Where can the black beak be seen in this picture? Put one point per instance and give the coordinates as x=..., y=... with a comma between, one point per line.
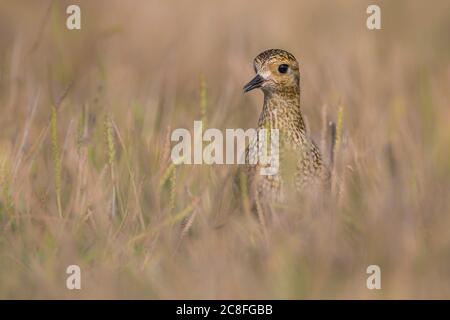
x=256, y=82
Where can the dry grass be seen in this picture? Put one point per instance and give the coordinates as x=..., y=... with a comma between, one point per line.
x=86, y=178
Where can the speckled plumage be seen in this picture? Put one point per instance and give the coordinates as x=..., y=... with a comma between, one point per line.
x=281, y=110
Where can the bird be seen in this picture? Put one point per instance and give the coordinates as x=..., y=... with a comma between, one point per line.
x=278, y=76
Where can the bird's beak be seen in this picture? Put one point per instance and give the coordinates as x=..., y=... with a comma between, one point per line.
x=256, y=82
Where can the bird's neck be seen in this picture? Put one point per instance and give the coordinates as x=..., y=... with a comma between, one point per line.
x=281, y=111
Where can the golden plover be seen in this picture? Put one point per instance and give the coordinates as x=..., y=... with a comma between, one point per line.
x=277, y=75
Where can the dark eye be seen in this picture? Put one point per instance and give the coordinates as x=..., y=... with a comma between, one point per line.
x=283, y=68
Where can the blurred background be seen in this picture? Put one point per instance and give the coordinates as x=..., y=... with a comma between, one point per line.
x=85, y=174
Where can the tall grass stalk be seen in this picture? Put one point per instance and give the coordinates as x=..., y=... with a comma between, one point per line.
x=203, y=100
x=337, y=133
x=5, y=183
x=173, y=186
x=56, y=155
x=339, y=123
x=111, y=150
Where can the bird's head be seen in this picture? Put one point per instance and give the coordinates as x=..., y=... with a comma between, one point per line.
x=276, y=70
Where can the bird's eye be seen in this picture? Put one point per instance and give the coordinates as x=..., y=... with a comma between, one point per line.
x=283, y=68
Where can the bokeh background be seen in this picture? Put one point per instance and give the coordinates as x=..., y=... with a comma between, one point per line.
x=86, y=179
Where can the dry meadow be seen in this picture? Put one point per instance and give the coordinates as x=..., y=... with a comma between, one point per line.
x=85, y=170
